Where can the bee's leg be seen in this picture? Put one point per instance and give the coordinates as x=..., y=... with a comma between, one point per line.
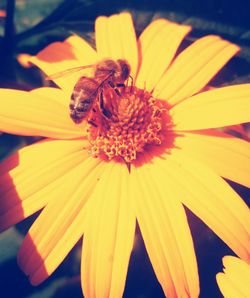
x=119, y=85
x=111, y=84
x=105, y=111
x=91, y=122
x=115, y=87
x=117, y=91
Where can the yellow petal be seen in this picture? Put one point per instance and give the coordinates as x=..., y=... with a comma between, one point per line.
x=235, y=281
x=216, y=108
x=25, y=113
x=60, y=56
x=166, y=233
x=226, y=155
x=41, y=153
x=60, y=225
x=194, y=68
x=24, y=60
x=16, y=169
x=102, y=44
x=81, y=49
x=157, y=45
x=228, y=287
x=116, y=39
x=108, y=236
x=62, y=97
x=23, y=193
x=211, y=199
x=53, y=93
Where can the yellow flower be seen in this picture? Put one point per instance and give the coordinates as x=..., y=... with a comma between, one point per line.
x=180, y=163
x=234, y=282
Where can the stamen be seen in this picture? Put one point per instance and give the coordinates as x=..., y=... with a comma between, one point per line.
x=136, y=120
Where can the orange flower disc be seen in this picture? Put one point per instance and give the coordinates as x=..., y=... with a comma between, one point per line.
x=135, y=120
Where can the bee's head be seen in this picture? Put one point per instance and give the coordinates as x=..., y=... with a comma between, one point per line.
x=124, y=70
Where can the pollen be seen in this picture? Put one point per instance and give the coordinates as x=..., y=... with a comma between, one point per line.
x=127, y=124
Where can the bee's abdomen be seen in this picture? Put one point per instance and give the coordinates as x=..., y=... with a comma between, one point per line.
x=76, y=117
x=82, y=98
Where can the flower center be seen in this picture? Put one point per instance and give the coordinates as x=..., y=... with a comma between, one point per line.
x=126, y=124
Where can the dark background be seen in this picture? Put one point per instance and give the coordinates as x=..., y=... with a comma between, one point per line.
x=32, y=25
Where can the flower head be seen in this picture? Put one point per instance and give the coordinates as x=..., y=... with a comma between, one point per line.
x=136, y=121
x=161, y=128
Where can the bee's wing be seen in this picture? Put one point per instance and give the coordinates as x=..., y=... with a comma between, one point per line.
x=67, y=72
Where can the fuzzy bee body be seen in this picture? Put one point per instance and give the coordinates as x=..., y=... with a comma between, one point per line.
x=87, y=91
x=83, y=98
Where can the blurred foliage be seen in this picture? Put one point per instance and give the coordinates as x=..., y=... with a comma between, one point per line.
x=10, y=240
x=30, y=13
x=37, y=23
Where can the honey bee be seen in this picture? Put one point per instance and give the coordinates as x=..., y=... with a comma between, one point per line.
x=89, y=90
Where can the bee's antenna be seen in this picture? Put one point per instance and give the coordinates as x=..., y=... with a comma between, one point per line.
x=132, y=83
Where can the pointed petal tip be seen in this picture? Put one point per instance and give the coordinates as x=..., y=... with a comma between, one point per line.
x=39, y=276
x=215, y=108
x=116, y=39
x=157, y=45
x=194, y=67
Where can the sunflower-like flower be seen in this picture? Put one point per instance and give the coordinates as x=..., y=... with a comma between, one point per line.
x=157, y=152
x=235, y=280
